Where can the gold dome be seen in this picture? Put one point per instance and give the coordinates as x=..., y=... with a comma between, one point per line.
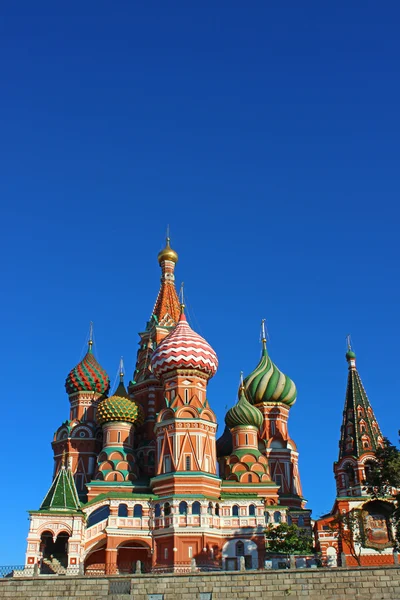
x=167, y=254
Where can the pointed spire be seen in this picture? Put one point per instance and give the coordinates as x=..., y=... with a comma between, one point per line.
x=263, y=335
x=121, y=369
x=182, y=302
x=360, y=431
x=62, y=495
x=121, y=389
x=90, y=342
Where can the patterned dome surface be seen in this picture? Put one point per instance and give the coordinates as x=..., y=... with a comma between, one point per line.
x=118, y=408
x=268, y=384
x=243, y=413
x=87, y=376
x=183, y=348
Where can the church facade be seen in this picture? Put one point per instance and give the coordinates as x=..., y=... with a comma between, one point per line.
x=139, y=474
x=358, y=531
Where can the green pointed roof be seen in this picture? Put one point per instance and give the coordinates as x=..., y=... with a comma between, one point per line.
x=359, y=421
x=268, y=384
x=243, y=413
x=62, y=494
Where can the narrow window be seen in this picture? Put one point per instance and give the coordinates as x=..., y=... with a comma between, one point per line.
x=119, y=436
x=165, y=553
x=247, y=439
x=84, y=417
x=252, y=510
x=188, y=465
x=157, y=510
x=138, y=511
x=277, y=517
x=190, y=550
x=235, y=511
x=186, y=396
x=167, y=464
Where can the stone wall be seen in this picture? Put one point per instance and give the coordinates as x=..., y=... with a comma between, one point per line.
x=322, y=584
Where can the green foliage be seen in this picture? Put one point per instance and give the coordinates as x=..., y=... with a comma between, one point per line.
x=288, y=539
x=347, y=527
x=384, y=472
x=381, y=479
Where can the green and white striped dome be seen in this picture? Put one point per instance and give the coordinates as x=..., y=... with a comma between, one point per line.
x=243, y=414
x=268, y=384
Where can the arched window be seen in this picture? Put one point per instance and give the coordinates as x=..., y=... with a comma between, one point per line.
x=249, y=478
x=300, y=521
x=252, y=510
x=183, y=508
x=217, y=510
x=266, y=515
x=138, y=511
x=239, y=549
x=235, y=510
x=122, y=510
x=210, y=508
x=167, y=509
x=157, y=510
x=277, y=516
x=196, y=508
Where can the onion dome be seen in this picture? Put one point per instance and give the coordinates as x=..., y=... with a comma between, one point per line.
x=268, y=384
x=350, y=355
x=88, y=376
x=119, y=407
x=243, y=413
x=167, y=254
x=224, y=444
x=183, y=348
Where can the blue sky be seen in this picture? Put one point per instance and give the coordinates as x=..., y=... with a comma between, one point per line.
x=267, y=136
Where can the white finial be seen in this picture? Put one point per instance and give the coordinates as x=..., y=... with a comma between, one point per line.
x=264, y=334
x=181, y=296
x=121, y=368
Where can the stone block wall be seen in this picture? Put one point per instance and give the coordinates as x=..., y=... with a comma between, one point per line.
x=322, y=584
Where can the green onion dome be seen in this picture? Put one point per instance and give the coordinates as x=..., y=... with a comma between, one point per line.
x=88, y=376
x=243, y=413
x=267, y=384
x=224, y=444
x=350, y=355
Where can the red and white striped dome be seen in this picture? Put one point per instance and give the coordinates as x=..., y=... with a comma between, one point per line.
x=183, y=348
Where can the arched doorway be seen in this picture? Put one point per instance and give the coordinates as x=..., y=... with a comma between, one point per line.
x=54, y=552
x=95, y=562
x=129, y=553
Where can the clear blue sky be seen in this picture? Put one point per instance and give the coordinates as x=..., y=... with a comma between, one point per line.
x=267, y=135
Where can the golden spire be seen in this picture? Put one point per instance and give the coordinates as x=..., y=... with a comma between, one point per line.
x=167, y=253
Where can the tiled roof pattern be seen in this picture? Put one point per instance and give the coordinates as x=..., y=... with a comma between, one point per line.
x=268, y=384
x=358, y=419
x=62, y=494
x=167, y=303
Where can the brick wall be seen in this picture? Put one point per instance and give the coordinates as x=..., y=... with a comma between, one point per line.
x=322, y=584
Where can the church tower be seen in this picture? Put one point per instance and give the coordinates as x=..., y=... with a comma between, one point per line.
x=80, y=437
x=145, y=388
x=274, y=393
x=360, y=435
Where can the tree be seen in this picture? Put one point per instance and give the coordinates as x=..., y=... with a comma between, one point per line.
x=347, y=528
x=288, y=539
x=382, y=479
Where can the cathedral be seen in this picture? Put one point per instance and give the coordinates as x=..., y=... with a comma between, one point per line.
x=139, y=474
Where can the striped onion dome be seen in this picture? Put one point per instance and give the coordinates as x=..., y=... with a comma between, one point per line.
x=243, y=413
x=119, y=407
x=183, y=348
x=87, y=376
x=267, y=384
